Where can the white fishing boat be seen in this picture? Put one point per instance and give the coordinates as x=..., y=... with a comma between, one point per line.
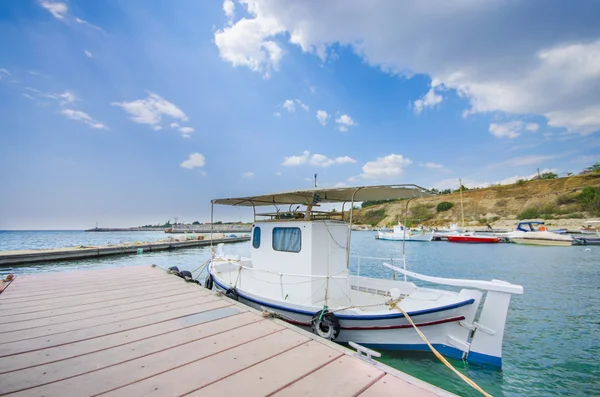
x=401, y=233
x=298, y=271
x=525, y=227
x=591, y=227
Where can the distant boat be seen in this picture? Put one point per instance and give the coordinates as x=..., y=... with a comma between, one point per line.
x=472, y=238
x=400, y=233
x=543, y=238
x=525, y=227
x=591, y=227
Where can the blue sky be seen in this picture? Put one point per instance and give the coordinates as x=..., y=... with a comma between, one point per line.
x=134, y=112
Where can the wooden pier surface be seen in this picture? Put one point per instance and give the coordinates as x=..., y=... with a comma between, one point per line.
x=57, y=254
x=139, y=331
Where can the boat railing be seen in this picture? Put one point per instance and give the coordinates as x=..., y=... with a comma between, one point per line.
x=361, y=260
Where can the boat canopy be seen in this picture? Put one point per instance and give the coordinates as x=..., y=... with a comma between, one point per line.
x=316, y=196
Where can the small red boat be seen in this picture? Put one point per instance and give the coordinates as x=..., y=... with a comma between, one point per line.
x=473, y=239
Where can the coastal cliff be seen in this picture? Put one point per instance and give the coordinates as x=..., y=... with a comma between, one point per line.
x=557, y=201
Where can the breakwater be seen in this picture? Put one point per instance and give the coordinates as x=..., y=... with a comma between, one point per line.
x=83, y=252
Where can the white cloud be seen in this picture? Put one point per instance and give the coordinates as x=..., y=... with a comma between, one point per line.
x=302, y=105
x=229, y=8
x=508, y=130
x=344, y=122
x=278, y=173
x=289, y=105
x=277, y=114
x=322, y=116
x=511, y=129
x=174, y=125
x=6, y=72
x=532, y=127
x=247, y=42
x=533, y=160
x=89, y=25
x=431, y=165
x=317, y=160
x=430, y=99
x=58, y=10
x=247, y=174
x=385, y=167
x=313, y=90
x=87, y=53
x=151, y=110
x=186, y=131
x=157, y=128
x=555, y=75
x=196, y=160
x=83, y=117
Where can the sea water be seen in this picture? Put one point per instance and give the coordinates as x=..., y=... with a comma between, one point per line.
x=552, y=339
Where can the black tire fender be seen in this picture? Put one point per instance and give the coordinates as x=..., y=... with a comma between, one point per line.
x=326, y=326
x=208, y=283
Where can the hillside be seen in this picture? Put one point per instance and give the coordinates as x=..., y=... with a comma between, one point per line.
x=554, y=199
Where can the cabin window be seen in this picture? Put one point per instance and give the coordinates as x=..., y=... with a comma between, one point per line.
x=287, y=239
x=256, y=237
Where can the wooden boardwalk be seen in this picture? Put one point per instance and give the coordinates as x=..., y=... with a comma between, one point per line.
x=139, y=331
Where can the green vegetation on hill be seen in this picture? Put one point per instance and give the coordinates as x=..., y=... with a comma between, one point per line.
x=544, y=197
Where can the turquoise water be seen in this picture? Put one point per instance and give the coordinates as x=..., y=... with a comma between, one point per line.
x=552, y=341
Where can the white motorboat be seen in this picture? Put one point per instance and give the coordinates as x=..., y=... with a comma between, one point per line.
x=543, y=238
x=401, y=233
x=298, y=271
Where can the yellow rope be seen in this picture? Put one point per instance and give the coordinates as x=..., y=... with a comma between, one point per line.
x=437, y=354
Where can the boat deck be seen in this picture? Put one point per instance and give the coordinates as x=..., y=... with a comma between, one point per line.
x=139, y=331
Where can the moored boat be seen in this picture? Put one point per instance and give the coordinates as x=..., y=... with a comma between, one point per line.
x=473, y=238
x=299, y=271
x=401, y=233
x=544, y=238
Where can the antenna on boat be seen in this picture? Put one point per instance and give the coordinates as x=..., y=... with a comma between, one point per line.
x=462, y=210
x=315, y=180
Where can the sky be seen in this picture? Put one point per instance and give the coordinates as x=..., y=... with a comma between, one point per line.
x=129, y=112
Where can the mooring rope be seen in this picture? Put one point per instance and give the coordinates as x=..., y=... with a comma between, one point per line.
x=393, y=303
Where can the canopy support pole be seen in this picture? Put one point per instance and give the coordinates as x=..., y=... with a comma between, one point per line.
x=212, y=205
x=350, y=230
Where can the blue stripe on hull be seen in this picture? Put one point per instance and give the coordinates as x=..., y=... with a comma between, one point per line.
x=350, y=317
x=452, y=352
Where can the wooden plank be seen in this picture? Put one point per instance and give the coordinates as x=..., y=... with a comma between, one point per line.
x=183, y=379
x=390, y=386
x=25, y=307
x=62, y=352
x=13, y=336
x=98, y=305
x=119, y=375
x=128, y=293
x=53, y=372
x=80, y=274
x=55, y=287
x=98, y=312
x=346, y=376
x=46, y=341
x=274, y=373
x=66, y=293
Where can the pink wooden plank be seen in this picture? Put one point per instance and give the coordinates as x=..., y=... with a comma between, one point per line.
x=345, y=376
x=95, y=321
x=48, y=373
x=122, y=374
x=98, y=312
x=46, y=341
x=6, y=300
x=98, y=305
x=62, y=352
x=25, y=307
x=274, y=373
x=391, y=386
x=186, y=378
x=55, y=289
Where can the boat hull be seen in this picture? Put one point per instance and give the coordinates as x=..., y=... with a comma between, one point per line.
x=473, y=239
x=383, y=332
x=538, y=241
x=415, y=237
